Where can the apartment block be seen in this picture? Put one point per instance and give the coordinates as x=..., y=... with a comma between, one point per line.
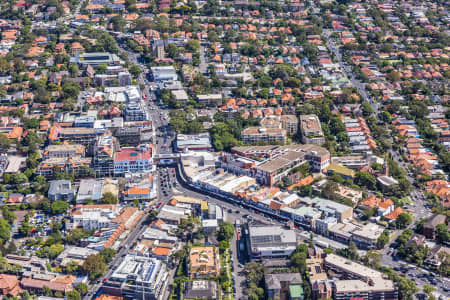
x=204, y=262
x=138, y=277
x=252, y=135
x=311, y=130
x=64, y=150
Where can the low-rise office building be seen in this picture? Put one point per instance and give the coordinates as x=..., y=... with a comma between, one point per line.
x=138, y=277
x=266, y=242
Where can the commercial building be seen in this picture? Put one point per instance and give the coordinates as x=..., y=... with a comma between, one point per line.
x=311, y=130
x=61, y=190
x=204, y=262
x=318, y=157
x=266, y=242
x=165, y=73
x=95, y=59
x=272, y=171
x=252, y=135
x=90, y=190
x=133, y=159
x=75, y=254
x=138, y=277
x=193, y=142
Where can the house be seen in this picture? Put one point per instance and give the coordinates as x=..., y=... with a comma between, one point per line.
x=429, y=228
x=9, y=285
x=61, y=190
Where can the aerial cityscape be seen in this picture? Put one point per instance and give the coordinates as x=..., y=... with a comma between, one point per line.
x=224, y=149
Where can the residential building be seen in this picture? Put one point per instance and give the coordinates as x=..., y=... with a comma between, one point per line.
x=77, y=135
x=311, y=130
x=90, y=190
x=37, y=285
x=284, y=286
x=266, y=242
x=64, y=150
x=105, y=148
x=358, y=281
x=9, y=285
x=429, y=228
x=133, y=159
x=200, y=289
x=79, y=166
x=289, y=123
x=138, y=277
x=135, y=111
x=61, y=190
x=204, y=262
x=210, y=99
x=84, y=121
x=252, y=135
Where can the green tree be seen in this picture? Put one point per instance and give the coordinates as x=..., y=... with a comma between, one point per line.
x=226, y=231
x=135, y=70
x=73, y=295
x=82, y=288
x=72, y=267
x=94, y=266
x=224, y=245
x=108, y=254
x=403, y=220
x=8, y=215
x=383, y=240
x=75, y=235
x=5, y=229
x=46, y=291
x=59, y=207
x=365, y=179
x=109, y=198
x=442, y=234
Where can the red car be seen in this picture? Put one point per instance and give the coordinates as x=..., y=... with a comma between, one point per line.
x=104, y=280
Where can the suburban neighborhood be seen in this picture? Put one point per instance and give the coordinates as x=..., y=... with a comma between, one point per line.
x=224, y=149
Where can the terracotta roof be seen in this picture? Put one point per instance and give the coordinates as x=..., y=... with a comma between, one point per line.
x=161, y=251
